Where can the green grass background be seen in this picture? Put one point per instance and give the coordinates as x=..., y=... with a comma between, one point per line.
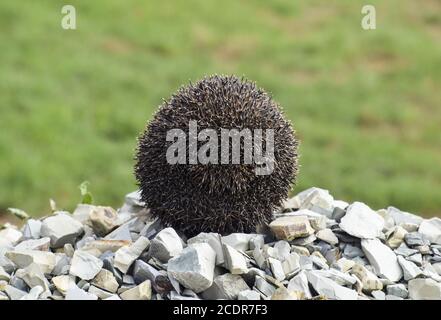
x=366, y=104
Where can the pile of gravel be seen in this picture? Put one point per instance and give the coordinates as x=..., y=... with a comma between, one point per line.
x=315, y=248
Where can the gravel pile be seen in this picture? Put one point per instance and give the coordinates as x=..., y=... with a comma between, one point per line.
x=315, y=248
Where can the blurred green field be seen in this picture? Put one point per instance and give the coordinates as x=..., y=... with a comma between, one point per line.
x=366, y=104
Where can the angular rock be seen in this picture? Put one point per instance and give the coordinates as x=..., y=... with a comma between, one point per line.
x=276, y=269
x=248, y=295
x=282, y=250
x=378, y=295
x=398, y=290
x=23, y=258
x=329, y=288
x=166, y=245
x=235, y=262
x=226, y=286
x=120, y=233
x=106, y=281
x=283, y=294
x=33, y=276
x=4, y=275
x=415, y=239
x=100, y=293
x=319, y=201
x=410, y=269
x=403, y=217
x=382, y=258
x=84, y=265
x=396, y=237
x=61, y=229
x=328, y=236
x=14, y=293
x=264, y=287
x=42, y=244
x=369, y=281
x=214, y=240
x=10, y=236
x=103, y=220
x=63, y=283
x=33, y=294
x=76, y=293
x=143, y=291
x=194, y=267
x=239, y=241
x=125, y=256
x=291, y=227
x=291, y=264
x=32, y=229
x=362, y=222
x=424, y=289
x=299, y=283
x=431, y=229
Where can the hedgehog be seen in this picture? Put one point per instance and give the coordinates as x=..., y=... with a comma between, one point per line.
x=220, y=197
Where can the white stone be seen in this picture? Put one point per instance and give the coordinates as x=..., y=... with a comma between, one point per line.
x=226, y=286
x=125, y=256
x=328, y=236
x=319, y=201
x=248, y=295
x=106, y=281
x=299, y=283
x=23, y=258
x=410, y=269
x=4, y=275
x=143, y=291
x=235, y=262
x=84, y=265
x=10, y=236
x=33, y=294
x=424, y=289
x=42, y=244
x=194, y=267
x=239, y=241
x=403, y=217
x=291, y=264
x=32, y=229
x=431, y=229
x=378, y=295
x=282, y=250
x=33, y=276
x=61, y=229
x=214, y=240
x=398, y=290
x=166, y=245
x=329, y=288
x=76, y=293
x=276, y=269
x=382, y=258
x=362, y=222
x=337, y=276
x=63, y=283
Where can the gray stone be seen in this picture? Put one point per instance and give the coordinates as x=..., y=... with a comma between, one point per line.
x=84, y=265
x=239, y=241
x=125, y=256
x=403, y=217
x=23, y=258
x=338, y=277
x=424, y=289
x=32, y=229
x=235, y=262
x=166, y=245
x=134, y=199
x=264, y=287
x=276, y=269
x=226, y=286
x=248, y=295
x=194, y=267
x=282, y=250
x=291, y=264
x=410, y=269
x=329, y=288
x=398, y=290
x=33, y=294
x=431, y=229
x=304, y=240
x=319, y=201
x=378, y=295
x=10, y=236
x=62, y=264
x=416, y=258
x=76, y=293
x=299, y=283
x=214, y=240
x=113, y=297
x=382, y=258
x=120, y=233
x=305, y=263
x=82, y=212
x=33, y=276
x=4, y=275
x=405, y=251
x=18, y=283
x=61, y=229
x=362, y=222
x=392, y=297
x=414, y=239
x=14, y=293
